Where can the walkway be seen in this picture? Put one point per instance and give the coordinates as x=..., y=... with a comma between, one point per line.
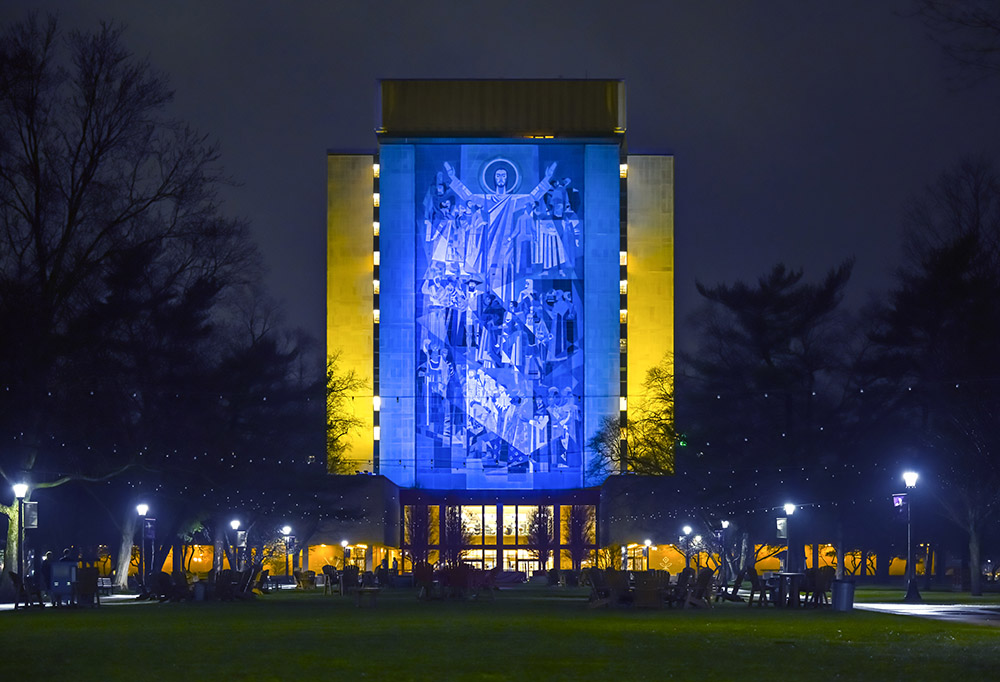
x=985, y=614
x=106, y=599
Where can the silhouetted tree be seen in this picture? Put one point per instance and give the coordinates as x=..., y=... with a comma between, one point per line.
x=766, y=400
x=646, y=442
x=939, y=341
x=454, y=535
x=967, y=30
x=541, y=534
x=118, y=271
x=417, y=530
x=340, y=420
x=580, y=526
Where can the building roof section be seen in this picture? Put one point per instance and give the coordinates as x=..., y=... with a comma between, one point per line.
x=501, y=108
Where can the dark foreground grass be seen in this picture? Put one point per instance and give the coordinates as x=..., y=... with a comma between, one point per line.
x=524, y=634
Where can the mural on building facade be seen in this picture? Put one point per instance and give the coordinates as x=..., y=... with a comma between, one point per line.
x=499, y=311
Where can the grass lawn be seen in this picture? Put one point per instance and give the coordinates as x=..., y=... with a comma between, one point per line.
x=526, y=633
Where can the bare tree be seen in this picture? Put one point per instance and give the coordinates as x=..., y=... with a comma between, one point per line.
x=454, y=535
x=340, y=421
x=646, y=442
x=541, y=534
x=939, y=340
x=580, y=529
x=967, y=30
x=110, y=236
x=417, y=530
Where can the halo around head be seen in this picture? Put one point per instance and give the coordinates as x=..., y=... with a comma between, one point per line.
x=487, y=177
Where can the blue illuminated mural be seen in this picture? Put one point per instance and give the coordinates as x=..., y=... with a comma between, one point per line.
x=499, y=314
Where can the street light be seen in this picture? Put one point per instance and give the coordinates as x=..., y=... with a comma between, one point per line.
x=141, y=510
x=791, y=560
x=235, y=525
x=343, y=547
x=286, y=531
x=20, y=490
x=724, y=553
x=687, y=546
x=645, y=551
x=912, y=592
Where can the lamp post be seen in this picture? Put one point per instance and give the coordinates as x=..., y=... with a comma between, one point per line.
x=687, y=546
x=343, y=547
x=286, y=533
x=235, y=525
x=645, y=552
x=724, y=553
x=791, y=560
x=141, y=510
x=912, y=592
x=20, y=490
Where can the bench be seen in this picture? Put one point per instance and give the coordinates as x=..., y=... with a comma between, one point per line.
x=105, y=585
x=368, y=593
x=368, y=589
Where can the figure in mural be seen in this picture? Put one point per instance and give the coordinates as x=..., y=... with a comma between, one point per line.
x=499, y=291
x=502, y=211
x=557, y=231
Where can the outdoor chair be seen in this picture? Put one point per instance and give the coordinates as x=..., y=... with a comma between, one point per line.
x=758, y=587
x=483, y=581
x=349, y=579
x=331, y=578
x=87, y=593
x=423, y=579
x=824, y=581
x=571, y=578
x=368, y=589
x=262, y=584
x=600, y=595
x=459, y=580
x=26, y=592
x=181, y=589
x=808, y=587
x=732, y=592
x=245, y=580
x=225, y=585
x=700, y=595
x=678, y=595
x=724, y=592
x=159, y=586
x=305, y=580
x=650, y=589
x=619, y=592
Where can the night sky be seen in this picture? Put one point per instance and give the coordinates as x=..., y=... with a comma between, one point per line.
x=799, y=129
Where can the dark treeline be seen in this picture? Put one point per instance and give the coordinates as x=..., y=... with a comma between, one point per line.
x=790, y=397
x=140, y=358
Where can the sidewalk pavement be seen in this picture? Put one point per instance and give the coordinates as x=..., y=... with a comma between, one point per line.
x=106, y=599
x=977, y=614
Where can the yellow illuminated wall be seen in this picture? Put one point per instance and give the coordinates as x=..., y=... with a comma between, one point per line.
x=349, y=286
x=650, y=267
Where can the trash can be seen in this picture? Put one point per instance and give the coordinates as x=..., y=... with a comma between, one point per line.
x=842, y=597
